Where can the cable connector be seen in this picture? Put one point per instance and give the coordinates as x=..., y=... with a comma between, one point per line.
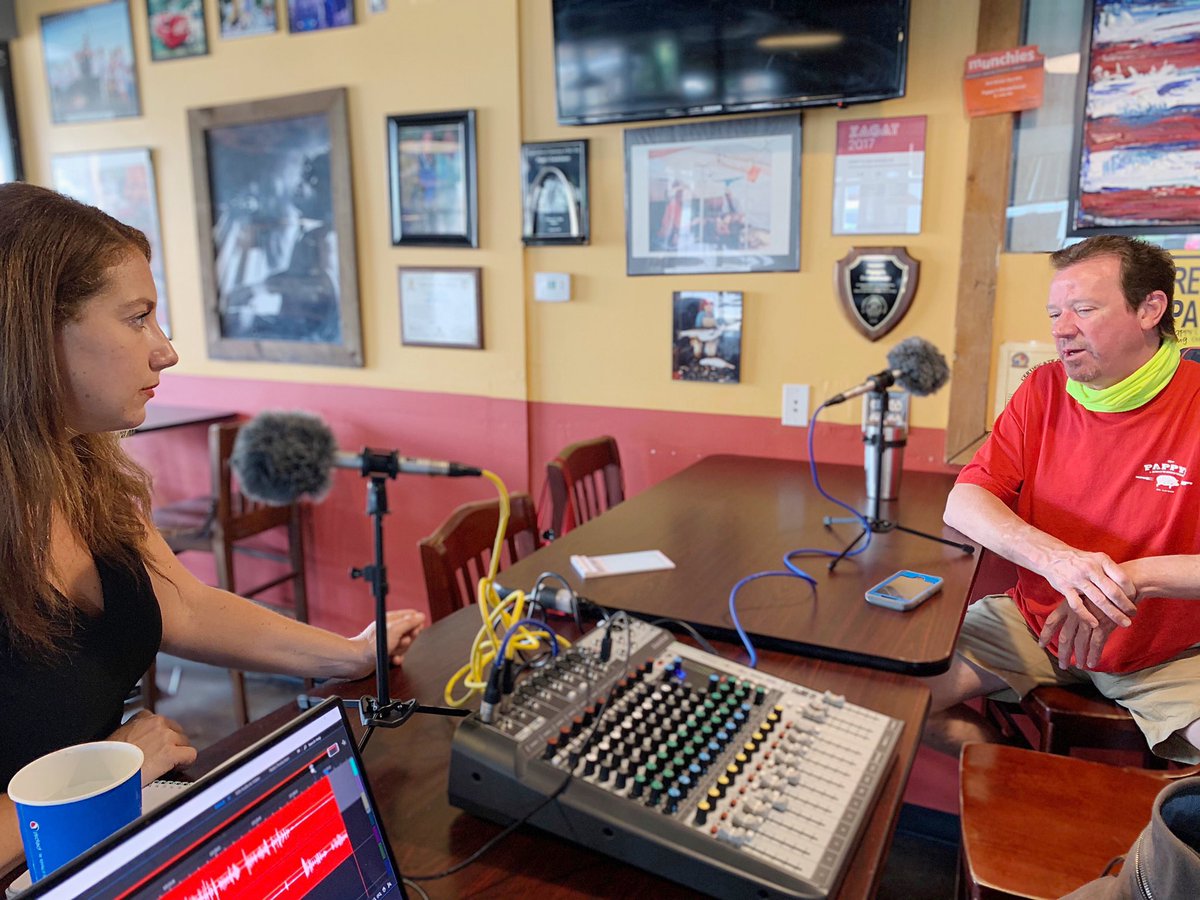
x=491, y=695
x=606, y=645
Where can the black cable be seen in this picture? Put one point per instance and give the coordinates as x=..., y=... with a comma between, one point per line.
x=362, y=745
x=696, y=636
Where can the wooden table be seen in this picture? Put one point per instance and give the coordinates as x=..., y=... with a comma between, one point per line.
x=407, y=768
x=729, y=516
x=163, y=415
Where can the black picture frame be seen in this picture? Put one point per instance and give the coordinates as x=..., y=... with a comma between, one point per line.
x=432, y=179
x=713, y=197
x=554, y=185
x=275, y=214
x=12, y=167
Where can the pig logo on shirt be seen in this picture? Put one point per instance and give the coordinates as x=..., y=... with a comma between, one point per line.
x=1167, y=476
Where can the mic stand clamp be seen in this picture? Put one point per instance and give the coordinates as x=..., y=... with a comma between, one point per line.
x=874, y=523
x=381, y=710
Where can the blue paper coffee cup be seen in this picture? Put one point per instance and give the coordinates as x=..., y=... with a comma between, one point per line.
x=74, y=798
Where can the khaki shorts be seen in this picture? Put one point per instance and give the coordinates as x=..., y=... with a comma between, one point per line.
x=1162, y=699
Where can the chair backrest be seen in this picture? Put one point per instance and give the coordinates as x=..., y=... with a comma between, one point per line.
x=236, y=516
x=585, y=479
x=458, y=554
x=994, y=575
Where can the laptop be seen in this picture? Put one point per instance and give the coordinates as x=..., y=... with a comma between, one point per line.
x=292, y=816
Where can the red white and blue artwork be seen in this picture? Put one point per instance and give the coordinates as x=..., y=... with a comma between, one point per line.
x=1139, y=154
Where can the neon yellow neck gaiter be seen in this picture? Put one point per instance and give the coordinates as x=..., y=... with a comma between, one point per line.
x=1137, y=390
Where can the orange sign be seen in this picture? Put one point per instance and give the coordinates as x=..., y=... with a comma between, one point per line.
x=1003, y=81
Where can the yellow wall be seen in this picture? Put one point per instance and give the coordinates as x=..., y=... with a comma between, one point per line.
x=611, y=345
x=418, y=56
x=793, y=331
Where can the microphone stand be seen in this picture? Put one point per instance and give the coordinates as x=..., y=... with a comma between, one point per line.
x=378, y=465
x=875, y=523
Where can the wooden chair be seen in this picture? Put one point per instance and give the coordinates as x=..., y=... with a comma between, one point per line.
x=1064, y=718
x=457, y=555
x=585, y=480
x=219, y=524
x=1036, y=825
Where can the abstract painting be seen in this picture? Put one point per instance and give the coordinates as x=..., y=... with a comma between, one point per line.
x=1139, y=147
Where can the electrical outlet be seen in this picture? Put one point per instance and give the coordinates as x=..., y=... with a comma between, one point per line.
x=795, y=405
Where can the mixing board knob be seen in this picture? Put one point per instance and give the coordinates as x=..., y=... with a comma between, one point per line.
x=760, y=695
x=703, y=808
x=621, y=780
x=656, y=791
x=589, y=763
x=722, y=785
x=639, y=785
x=551, y=748
x=834, y=699
x=703, y=760
x=673, y=797
x=815, y=711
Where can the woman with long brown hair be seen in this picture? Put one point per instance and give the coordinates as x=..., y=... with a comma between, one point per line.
x=89, y=591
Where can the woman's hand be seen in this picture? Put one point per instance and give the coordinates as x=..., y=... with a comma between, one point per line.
x=403, y=625
x=161, y=741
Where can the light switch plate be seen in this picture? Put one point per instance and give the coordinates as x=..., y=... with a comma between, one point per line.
x=551, y=287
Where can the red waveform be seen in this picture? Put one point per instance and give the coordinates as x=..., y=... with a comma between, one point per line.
x=280, y=858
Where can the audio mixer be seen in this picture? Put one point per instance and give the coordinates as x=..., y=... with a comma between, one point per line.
x=717, y=776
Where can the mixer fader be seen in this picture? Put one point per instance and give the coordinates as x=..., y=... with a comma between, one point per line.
x=731, y=781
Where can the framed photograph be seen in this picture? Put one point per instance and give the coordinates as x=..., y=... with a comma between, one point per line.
x=245, y=18
x=707, y=336
x=715, y=197
x=276, y=219
x=555, y=192
x=1135, y=116
x=441, y=307
x=431, y=176
x=177, y=29
x=318, y=15
x=89, y=63
x=120, y=182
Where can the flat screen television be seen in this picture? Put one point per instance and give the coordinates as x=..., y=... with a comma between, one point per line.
x=624, y=60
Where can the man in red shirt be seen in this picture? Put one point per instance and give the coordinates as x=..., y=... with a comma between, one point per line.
x=1086, y=483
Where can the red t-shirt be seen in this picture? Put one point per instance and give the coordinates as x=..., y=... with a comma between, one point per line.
x=1118, y=483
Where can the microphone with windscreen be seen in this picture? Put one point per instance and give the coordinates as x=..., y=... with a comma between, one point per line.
x=914, y=363
x=280, y=457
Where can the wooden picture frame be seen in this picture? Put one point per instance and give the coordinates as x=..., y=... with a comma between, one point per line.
x=1131, y=175
x=276, y=217
x=554, y=188
x=431, y=179
x=441, y=306
x=713, y=197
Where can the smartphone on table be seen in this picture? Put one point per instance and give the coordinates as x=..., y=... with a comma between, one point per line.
x=905, y=590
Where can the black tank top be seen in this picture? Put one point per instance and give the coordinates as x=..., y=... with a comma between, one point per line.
x=79, y=696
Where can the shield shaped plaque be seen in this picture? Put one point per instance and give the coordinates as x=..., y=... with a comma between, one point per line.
x=876, y=287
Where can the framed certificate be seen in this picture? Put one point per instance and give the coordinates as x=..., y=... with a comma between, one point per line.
x=441, y=307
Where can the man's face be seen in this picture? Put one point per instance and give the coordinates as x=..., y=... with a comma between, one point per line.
x=1100, y=340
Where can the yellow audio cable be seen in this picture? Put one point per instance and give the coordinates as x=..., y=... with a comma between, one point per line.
x=498, y=616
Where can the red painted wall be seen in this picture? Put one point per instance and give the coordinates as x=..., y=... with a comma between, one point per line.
x=510, y=437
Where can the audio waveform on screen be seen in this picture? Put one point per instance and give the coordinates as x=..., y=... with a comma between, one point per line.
x=280, y=858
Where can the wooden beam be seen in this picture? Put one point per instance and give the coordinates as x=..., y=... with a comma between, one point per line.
x=988, y=151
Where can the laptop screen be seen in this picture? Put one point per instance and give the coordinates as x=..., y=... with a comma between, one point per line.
x=291, y=816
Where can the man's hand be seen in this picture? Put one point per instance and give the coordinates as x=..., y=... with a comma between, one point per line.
x=1094, y=586
x=1077, y=641
x=403, y=626
x=161, y=740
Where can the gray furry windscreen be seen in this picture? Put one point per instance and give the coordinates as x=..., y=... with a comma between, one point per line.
x=282, y=456
x=922, y=367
